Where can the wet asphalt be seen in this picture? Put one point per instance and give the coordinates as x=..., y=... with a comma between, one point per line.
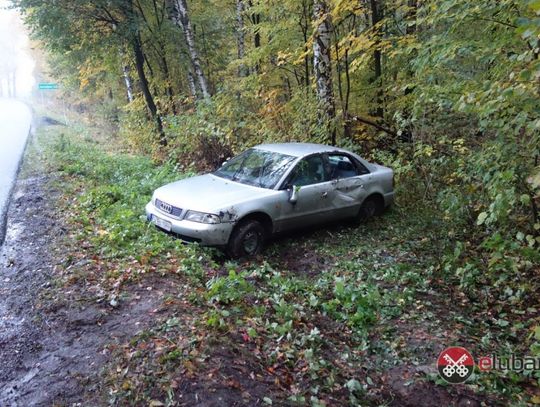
x=15, y=124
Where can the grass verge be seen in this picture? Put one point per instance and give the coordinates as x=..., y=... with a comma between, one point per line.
x=334, y=316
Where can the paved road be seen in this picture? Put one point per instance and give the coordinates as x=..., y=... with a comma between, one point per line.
x=15, y=121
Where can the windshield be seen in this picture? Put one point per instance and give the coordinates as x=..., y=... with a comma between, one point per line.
x=256, y=167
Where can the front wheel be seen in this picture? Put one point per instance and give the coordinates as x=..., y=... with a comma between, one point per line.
x=246, y=240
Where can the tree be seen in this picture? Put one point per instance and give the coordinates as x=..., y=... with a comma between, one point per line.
x=139, y=64
x=322, y=66
x=126, y=72
x=376, y=18
x=180, y=15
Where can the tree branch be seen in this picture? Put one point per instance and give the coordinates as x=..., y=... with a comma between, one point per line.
x=374, y=124
x=498, y=22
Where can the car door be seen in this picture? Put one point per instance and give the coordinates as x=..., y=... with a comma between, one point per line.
x=311, y=180
x=351, y=181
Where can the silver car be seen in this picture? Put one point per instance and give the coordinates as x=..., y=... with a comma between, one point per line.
x=268, y=189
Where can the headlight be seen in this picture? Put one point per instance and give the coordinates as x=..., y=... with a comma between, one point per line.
x=202, y=217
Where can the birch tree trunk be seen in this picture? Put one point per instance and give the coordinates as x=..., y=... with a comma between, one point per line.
x=322, y=66
x=185, y=23
x=191, y=84
x=127, y=81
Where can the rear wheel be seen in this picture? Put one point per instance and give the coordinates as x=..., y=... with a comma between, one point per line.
x=370, y=207
x=246, y=240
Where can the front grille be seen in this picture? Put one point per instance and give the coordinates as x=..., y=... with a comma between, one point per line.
x=167, y=208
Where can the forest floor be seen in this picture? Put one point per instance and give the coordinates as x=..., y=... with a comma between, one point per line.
x=100, y=308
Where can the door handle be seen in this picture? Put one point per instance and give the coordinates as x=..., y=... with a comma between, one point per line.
x=324, y=194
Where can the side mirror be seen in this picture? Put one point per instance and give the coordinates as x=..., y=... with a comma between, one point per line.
x=293, y=193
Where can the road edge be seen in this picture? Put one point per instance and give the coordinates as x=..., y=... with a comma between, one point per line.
x=4, y=211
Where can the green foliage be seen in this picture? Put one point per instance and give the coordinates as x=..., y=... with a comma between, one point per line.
x=356, y=304
x=227, y=290
x=116, y=189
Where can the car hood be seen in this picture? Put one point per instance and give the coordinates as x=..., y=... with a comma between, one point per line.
x=208, y=193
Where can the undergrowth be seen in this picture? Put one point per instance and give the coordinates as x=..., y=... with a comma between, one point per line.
x=318, y=319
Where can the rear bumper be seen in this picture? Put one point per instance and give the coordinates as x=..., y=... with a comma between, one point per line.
x=388, y=199
x=207, y=235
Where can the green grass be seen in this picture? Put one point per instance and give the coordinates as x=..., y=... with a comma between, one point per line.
x=319, y=309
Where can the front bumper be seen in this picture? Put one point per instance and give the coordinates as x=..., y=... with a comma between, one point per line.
x=207, y=235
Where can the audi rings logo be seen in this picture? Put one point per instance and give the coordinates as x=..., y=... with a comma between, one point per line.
x=455, y=364
x=165, y=207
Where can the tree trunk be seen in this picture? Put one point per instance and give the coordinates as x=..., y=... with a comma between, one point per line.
x=240, y=35
x=127, y=81
x=256, y=20
x=304, y=25
x=191, y=84
x=376, y=17
x=167, y=77
x=323, y=68
x=343, y=95
x=257, y=37
x=139, y=64
x=185, y=23
x=410, y=18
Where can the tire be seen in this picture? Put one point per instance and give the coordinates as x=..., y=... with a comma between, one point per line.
x=247, y=239
x=370, y=207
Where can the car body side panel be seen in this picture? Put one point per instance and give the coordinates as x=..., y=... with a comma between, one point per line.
x=349, y=194
x=314, y=205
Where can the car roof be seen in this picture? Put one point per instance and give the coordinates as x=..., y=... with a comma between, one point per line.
x=297, y=149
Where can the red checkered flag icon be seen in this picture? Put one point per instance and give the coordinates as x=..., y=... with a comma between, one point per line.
x=455, y=364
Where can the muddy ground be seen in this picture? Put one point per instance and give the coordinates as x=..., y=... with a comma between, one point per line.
x=52, y=349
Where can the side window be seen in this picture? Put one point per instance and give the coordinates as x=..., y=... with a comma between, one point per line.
x=309, y=171
x=361, y=168
x=341, y=166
